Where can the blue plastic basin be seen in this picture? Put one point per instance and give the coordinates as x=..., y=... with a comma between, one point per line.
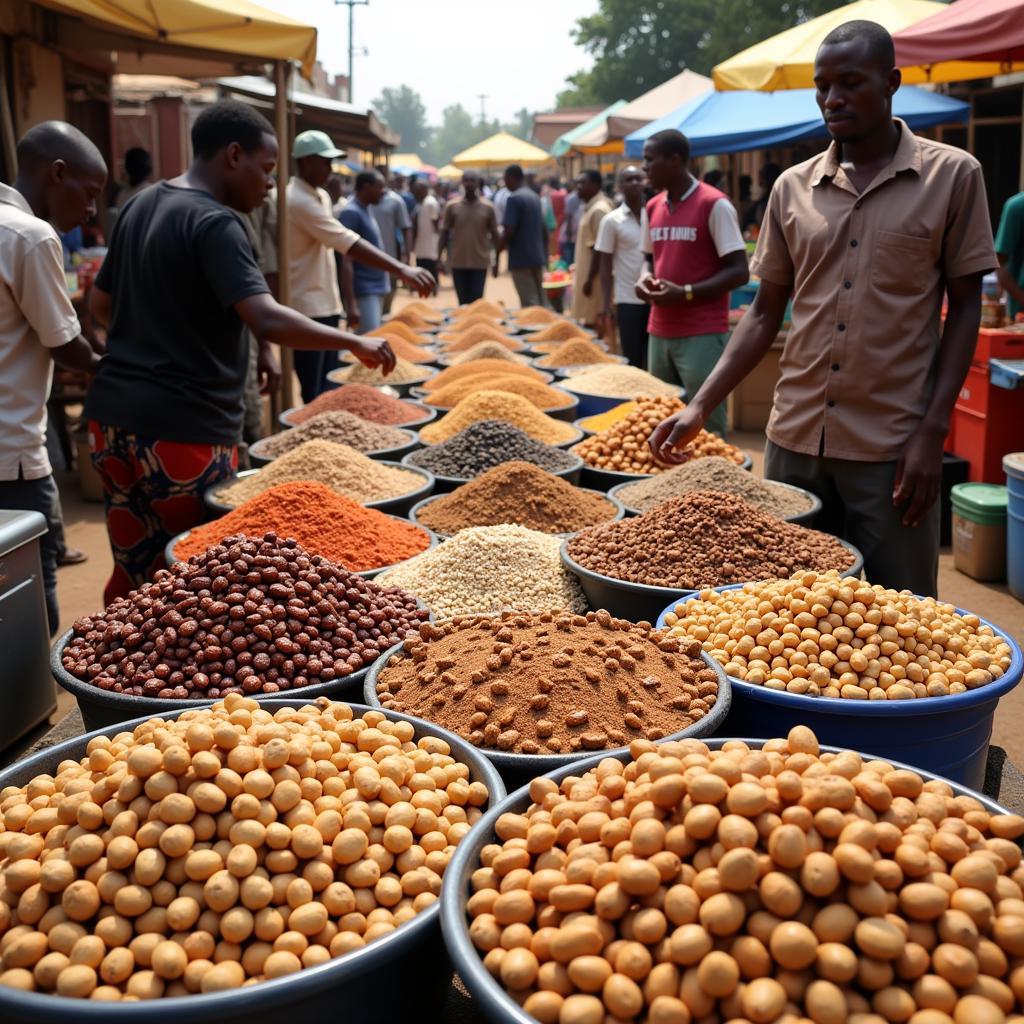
x=1014, y=467
x=945, y=735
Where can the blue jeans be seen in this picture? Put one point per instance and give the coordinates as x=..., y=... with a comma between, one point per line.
x=370, y=312
x=312, y=367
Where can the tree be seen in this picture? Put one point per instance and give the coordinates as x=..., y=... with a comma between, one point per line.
x=521, y=125
x=637, y=44
x=457, y=131
x=404, y=112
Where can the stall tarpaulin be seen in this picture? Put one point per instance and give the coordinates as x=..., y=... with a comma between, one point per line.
x=567, y=142
x=235, y=27
x=733, y=122
x=500, y=150
x=967, y=39
x=786, y=60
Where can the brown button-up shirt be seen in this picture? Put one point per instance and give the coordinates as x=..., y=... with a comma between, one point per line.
x=867, y=271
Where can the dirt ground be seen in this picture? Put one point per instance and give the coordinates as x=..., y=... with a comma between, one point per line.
x=81, y=586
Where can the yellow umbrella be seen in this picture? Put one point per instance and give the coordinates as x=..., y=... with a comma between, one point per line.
x=500, y=150
x=236, y=27
x=449, y=171
x=786, y=61
x=410, y=160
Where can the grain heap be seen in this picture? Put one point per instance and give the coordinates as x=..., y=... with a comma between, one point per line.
x=487, y=350
x=228, y=882
x=498, y=405
x=623, y=448
x=705, y=539
x=715, y=474
x=535, y=392
x=485, y=445
x=403, y=373
x=396, y=327
x=247, y=616
x=549, y=683
x=322, y=522
x=483, y=307
x=451, y=374
x=575, y=352
x=361, y=400
x=411, y=318
x=532, y=315
x=340, y=467
x=474, y=336
x=487, y=569
x=413, y=352
x=340, y=427
x=619, y=381
x=753, y=885
x=604, y=420
x=856, y=641
x=424, y=310
x=560, y=330
x=517, y=492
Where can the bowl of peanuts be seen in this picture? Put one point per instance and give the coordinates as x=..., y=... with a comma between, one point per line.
x=219, y=880
x=935, y=710
x=744, y=880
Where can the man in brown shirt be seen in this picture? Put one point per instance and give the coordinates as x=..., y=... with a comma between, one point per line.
x=469, y=233
x=866, y=238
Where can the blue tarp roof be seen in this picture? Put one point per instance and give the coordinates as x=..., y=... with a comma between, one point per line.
x=734, y=121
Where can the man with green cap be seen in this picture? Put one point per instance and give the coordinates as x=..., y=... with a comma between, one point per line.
x=314, y=235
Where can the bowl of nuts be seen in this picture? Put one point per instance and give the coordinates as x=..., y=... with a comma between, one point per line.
x=231, y=900
x=205, y=628
x=714, y=904
x=538, y=691
x=856, y=687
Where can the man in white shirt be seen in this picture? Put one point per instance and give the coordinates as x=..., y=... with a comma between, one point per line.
x=314, y=235
x=61, y=175
x=622, y=261
x=426, y=227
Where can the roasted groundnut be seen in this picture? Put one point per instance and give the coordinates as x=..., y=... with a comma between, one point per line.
x=231, y=845
x=774, y=886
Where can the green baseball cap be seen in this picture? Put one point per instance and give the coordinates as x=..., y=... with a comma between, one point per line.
x=314, y=143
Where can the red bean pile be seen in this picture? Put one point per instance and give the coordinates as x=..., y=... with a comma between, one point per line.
x=247, y=616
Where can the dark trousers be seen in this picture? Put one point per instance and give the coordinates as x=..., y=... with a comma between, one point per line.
x=312, y=367
x=632, y=321
x=469, y=284
x=40, y=496
x=857, y=500
x=426, y=264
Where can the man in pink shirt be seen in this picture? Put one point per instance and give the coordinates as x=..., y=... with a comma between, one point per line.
x=691, y=235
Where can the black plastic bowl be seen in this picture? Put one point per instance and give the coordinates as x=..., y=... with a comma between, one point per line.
x=606, y=479
x=426, y=416
x=367, y=574
x=401, y=389
x=620, y=511
x=362, y=981
x=518, y=769
x=444, y=484
x=801, y=518
x=496, y=1005
x=395, y=454
x=395, y=506
x=561, y=444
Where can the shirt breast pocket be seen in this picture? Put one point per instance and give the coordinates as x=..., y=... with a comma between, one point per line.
x=902, y=264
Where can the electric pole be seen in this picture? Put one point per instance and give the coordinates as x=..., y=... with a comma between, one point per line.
x=482, y=97
x=350, y=4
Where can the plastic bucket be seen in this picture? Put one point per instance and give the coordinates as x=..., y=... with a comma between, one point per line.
x=619, y=511
x=426, y=415
x=363, y=981
x=1014, y=466
x=411, y=443
x=606, y=479
x=496, y=1005
x=367, y=574
x=444, y=484
x=946, y=735
x=395, y=506
x=801, y=518
x=519, y=769
x=400, y=388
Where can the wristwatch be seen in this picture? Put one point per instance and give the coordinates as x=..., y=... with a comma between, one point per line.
x=688, y=292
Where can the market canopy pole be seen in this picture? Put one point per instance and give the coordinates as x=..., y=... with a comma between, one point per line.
x=282, y=78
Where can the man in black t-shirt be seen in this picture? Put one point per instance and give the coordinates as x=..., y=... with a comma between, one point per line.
x=180, y=280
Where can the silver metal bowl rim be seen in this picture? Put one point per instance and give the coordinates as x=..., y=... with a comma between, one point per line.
x=496, y=1003
x=373, y=453
x=279, y=990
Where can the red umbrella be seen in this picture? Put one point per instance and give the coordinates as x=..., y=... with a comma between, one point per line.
x=978, y=31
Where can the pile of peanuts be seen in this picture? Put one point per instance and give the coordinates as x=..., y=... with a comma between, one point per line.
x=775, y=885
x=622, y=447
x=820, y=635
x=222, y=848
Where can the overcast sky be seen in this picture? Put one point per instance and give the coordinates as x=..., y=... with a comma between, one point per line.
x=518, y=54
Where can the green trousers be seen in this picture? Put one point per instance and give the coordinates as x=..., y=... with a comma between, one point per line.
x=687, y=363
